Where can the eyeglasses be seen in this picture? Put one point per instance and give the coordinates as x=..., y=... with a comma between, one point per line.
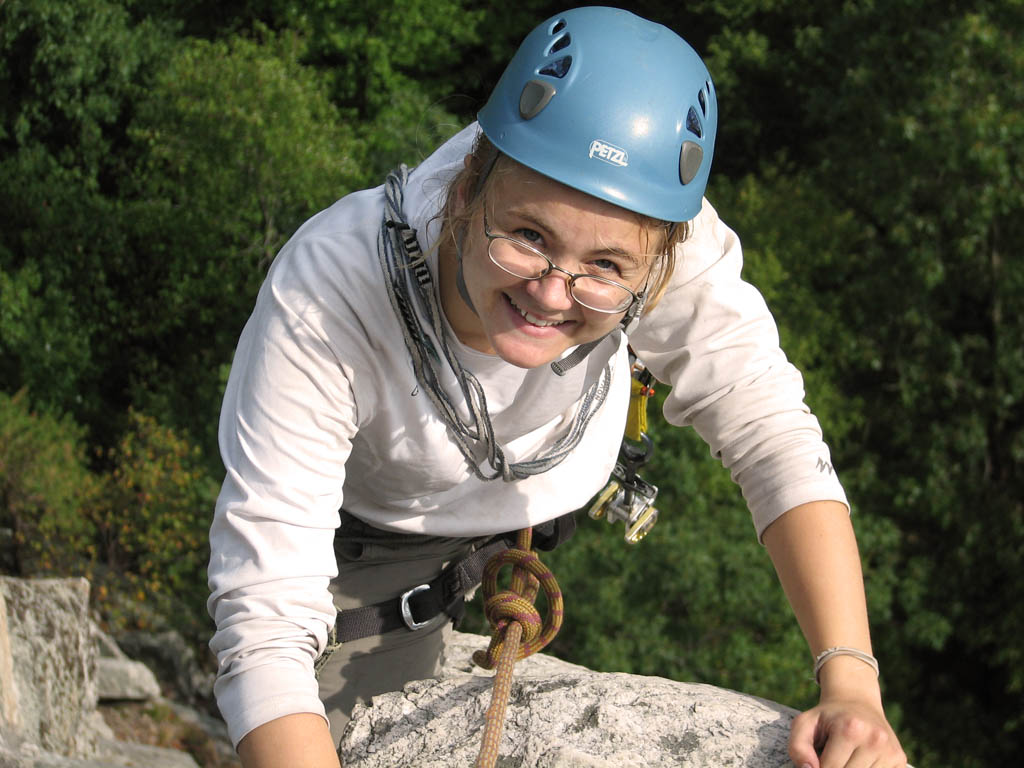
x=524, y=261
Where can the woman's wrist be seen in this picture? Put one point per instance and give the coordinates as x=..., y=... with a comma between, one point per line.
x=849, y=677
x=835, y=651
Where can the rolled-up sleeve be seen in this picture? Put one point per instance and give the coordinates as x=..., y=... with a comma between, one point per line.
x=713, y=339
x=287, y=421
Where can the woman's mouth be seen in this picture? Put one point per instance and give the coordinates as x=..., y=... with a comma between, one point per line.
x=531, y=318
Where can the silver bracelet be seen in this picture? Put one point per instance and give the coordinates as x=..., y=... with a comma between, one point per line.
x=842, y=650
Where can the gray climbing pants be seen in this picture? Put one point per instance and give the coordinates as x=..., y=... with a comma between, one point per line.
x=373, y=566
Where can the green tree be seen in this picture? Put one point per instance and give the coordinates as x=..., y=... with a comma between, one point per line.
x=142, y=195
x=69, y=74
x=395, y=69
x=239, y=145
x=936, y=291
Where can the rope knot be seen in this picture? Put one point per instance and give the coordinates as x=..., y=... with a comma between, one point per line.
x=515, y=604
x=508, y=606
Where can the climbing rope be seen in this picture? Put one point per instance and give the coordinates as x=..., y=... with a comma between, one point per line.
x=517, y=629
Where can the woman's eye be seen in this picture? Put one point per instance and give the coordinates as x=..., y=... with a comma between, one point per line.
x=530, y=236
x=605, y=266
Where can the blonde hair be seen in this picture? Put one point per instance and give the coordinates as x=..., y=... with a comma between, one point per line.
x=464, y=199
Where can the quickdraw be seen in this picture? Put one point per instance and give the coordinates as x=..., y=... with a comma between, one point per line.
x=627, y=496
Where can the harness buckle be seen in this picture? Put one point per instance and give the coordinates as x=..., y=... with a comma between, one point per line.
x=403, y=603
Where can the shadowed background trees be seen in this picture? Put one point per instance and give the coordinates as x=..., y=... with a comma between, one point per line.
x=154, y=155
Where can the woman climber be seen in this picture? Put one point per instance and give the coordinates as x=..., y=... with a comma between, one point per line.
x=443, y=359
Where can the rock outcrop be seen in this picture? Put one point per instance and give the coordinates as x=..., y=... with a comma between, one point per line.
x=564, y=716
x=51, y=680
x=119, y=678
x=53, y=660
x=54, y=666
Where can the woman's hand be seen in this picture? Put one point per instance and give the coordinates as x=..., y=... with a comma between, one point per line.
x=847, y=734
x=848, y=728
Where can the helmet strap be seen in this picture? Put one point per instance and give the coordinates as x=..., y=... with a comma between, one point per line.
x=460, y=278
x=634, y=311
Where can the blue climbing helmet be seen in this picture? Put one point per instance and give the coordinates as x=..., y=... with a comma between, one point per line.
x=613, y=105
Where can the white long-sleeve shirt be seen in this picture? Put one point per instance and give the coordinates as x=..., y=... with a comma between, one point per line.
x=322, y=409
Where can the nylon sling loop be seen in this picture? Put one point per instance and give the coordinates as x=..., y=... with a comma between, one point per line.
x=517, y=628
x=410, y=288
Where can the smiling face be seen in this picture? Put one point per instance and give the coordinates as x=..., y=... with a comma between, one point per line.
x=530, y=323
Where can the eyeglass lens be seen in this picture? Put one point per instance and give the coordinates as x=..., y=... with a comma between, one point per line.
x=593, y=292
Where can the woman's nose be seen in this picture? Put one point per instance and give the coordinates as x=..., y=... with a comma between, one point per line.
x=552, y=290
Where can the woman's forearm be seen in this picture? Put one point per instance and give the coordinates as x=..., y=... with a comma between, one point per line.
x=293, y=741
x=815, y=554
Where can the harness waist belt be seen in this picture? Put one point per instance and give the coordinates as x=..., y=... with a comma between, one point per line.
x=418, y=606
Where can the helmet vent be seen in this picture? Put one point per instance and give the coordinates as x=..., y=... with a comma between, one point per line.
x=703, y=102
x=560, y=43
x=558, y=67
x=693, y=124
x=559, y=26
x=535, y=96
x=690, y=158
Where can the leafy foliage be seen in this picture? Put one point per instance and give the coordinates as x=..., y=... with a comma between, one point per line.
x=238, y=144
x=137, y=531
x=43, y=480
x=150, y=519
x=69, y=73
x=695, y=600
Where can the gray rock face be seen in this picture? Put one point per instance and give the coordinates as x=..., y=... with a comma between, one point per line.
x=49, y=687
x=118, y=754
x=53, y=659
x=173, y=661
x=125, y=680
x=564, y=716
x=119, y=678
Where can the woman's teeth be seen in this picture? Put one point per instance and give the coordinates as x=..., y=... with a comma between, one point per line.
x=533, y=319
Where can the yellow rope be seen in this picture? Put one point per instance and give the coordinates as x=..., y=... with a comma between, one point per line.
x=517, y=630
x=495, y=717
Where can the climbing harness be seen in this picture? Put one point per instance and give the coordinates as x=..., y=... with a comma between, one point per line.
x=517, y=629
x=418, y=606
x=404, y=266
x=627, y=496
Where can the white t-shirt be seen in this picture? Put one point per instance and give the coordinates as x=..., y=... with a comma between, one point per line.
x=323, y=409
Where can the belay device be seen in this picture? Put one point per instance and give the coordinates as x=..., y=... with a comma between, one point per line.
x=627, y=496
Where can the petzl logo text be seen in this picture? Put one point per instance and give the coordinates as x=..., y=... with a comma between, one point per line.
x=609, y=153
